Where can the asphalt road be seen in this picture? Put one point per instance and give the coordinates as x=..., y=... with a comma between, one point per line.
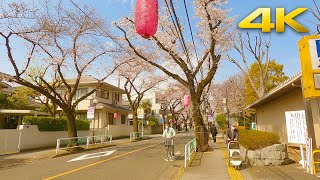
x=139, y=160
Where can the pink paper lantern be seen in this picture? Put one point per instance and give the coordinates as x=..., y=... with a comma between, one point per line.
x=115, y=115
x=186, y=100
x=146, y=17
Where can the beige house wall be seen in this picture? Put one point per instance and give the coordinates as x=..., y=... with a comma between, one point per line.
x=271, y=116
x=102, y=118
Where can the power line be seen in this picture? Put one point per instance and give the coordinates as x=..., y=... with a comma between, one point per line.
x=103, y=30
x=180, y=31
x=176, y=28
x=186, y=9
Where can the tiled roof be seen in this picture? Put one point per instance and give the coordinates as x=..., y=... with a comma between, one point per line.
x=92, y=80
x=271, y=95
x=111, y=106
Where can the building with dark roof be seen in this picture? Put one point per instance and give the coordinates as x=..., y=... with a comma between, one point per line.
x=270, y=109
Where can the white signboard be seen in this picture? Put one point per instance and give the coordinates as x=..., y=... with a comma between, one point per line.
x=314, y=45
x=90, y=112
x=296, y=127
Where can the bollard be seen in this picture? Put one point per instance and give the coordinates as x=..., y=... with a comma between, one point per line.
x=58, y=146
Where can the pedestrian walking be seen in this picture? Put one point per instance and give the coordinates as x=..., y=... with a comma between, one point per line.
x=214, y=132
x=232, y=134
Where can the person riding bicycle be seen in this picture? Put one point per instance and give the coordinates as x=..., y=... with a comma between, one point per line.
x=169, y=133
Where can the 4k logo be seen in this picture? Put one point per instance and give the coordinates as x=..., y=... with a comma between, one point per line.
x=281, y=20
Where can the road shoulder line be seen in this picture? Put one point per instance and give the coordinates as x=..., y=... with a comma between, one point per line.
x=99, y=162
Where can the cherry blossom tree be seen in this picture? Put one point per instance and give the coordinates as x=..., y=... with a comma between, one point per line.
x=233, y=89
x=139, y=79
x=172, y=97
x=47, y=44
x=184, y=59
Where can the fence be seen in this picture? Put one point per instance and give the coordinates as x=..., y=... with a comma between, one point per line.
x=189, y=148
x=10, y=141
x=68, y=143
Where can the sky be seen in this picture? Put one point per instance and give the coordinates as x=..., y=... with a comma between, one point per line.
x=284, y=45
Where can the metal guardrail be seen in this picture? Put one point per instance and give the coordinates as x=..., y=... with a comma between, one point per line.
x=69, y=143
x=189, y=148
x=135, y=135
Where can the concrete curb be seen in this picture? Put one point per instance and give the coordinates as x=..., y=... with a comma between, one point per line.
x=181, y=169
x=179, y=173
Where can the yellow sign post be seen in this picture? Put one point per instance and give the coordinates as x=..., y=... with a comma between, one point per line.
x=309, y=48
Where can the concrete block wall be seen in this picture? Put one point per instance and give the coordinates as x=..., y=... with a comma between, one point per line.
x=270, y=156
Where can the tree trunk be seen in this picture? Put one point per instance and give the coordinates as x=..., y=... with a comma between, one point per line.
x=135, y=121
x=186, y=124
x=200, y=130
x=72, y=129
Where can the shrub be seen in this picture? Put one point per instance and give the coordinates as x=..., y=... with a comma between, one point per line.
x=253, y=140
x=54, y=124
x=153, y=121
x=222, y=121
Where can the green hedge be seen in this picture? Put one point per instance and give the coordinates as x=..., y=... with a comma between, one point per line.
x=253, y=140
x=54, y=124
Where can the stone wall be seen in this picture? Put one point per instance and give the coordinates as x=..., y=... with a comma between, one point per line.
x=274, y=155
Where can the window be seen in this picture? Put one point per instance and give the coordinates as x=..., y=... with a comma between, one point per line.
x=123, y=119
x=104, y=94
x=82, y=116
x=83, y=91
x=80, y=92
x=117, y=97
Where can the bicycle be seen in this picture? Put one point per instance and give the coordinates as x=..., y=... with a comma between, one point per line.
x=169, y=143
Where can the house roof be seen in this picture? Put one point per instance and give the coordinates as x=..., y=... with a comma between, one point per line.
x=288, y=85
x=4, y=76
x=89, y=80
x=111, y=106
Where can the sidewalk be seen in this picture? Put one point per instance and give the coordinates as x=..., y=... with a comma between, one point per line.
x=25, y=157
x=211, y=165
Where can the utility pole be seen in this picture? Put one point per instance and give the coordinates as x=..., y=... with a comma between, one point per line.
x=225, y=102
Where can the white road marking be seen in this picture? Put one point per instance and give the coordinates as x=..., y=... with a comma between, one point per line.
x=93, y=155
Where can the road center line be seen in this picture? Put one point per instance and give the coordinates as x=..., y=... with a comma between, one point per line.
x=99, y=162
